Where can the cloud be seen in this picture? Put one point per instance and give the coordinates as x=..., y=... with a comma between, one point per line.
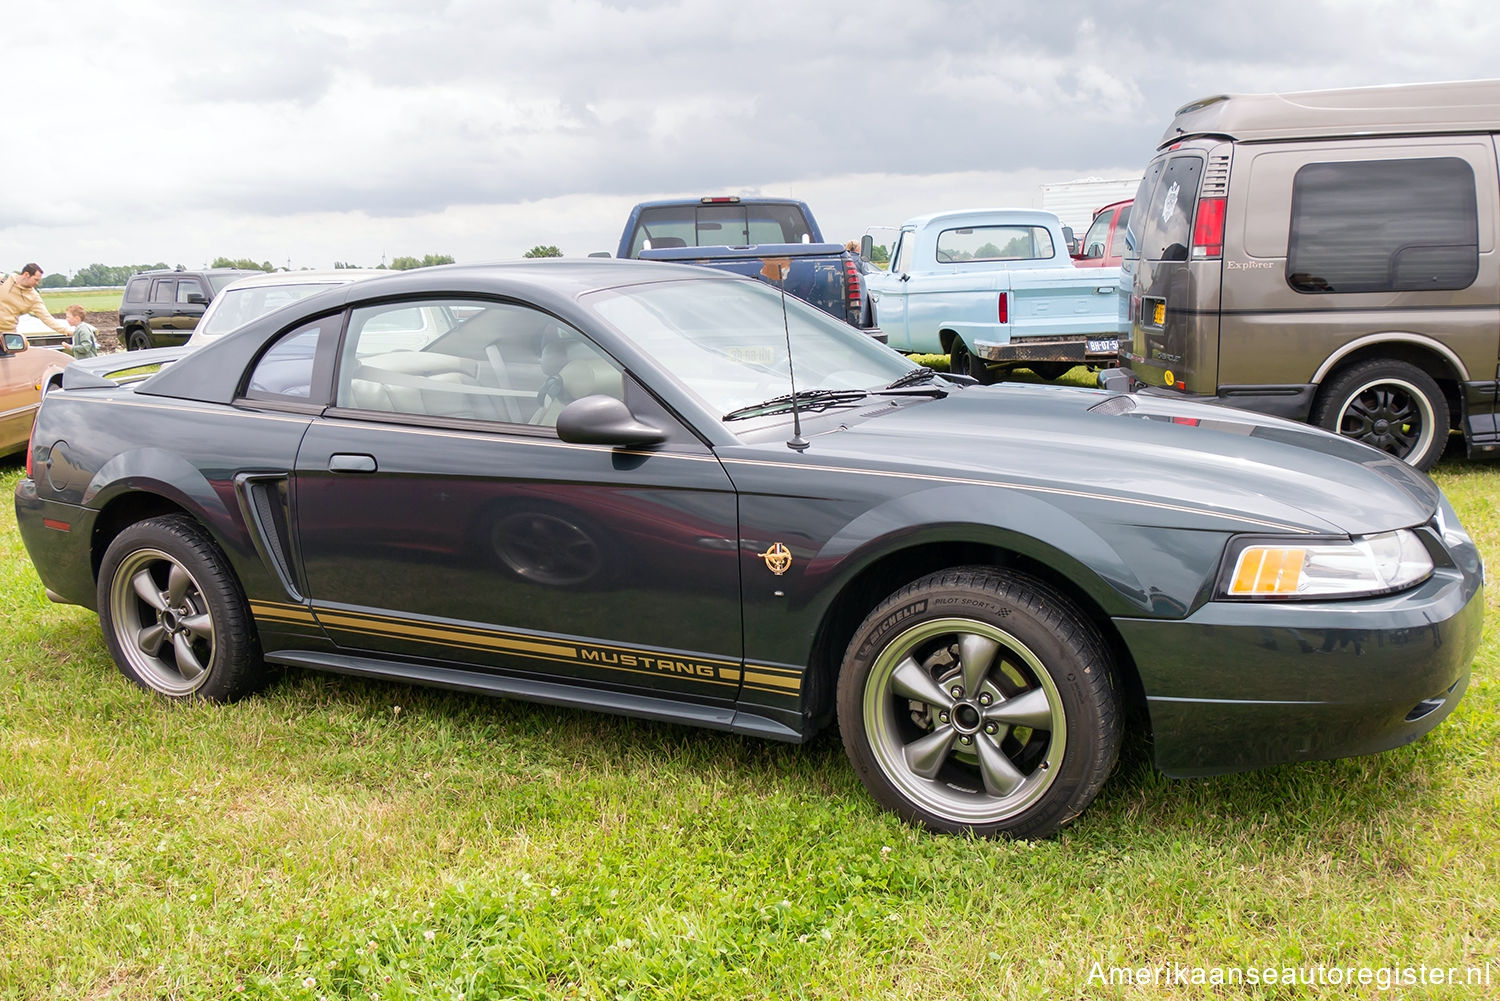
x=289, y=126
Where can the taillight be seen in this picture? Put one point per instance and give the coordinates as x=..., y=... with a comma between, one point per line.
x=1004, y=307
x=854, y=295
x=1208, y=229
x=30, y=440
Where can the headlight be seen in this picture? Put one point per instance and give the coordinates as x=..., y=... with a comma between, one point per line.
x=1362, y=566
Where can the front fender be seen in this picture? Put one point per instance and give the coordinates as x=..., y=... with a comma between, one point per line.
x=1028, y=526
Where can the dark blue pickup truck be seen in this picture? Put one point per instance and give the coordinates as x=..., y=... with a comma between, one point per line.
x=757, y=237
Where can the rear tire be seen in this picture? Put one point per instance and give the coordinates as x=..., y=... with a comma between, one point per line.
x=979, y=700
x=137, y=340
x=962, y=361
x=174, y=617
x=1392, y=405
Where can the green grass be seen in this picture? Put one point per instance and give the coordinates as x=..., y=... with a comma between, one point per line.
x=58, y=300
x=340, y=838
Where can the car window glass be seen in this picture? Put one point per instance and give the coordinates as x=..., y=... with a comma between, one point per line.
x=286, y=370
x=1383, y=226
x=901, y=256
x=469, y=360
x=187, y=287
x=994, y=243
x=726, y=341
x=236, y=307
x=1117, y=242
x=1094, y=239
x=1167, y=226
x=165, y=290
x=1143, y=194
x=136, y=291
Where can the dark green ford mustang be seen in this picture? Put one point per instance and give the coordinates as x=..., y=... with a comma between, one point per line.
x=585, y=483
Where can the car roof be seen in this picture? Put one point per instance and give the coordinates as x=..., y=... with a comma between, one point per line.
x=212, y=373
x=306, y=277
x=1034, y=217
x=1402, y=109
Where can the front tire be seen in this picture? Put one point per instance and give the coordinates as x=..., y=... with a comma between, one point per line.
x=173, y=615
x=1392, y=405
x=981, y=701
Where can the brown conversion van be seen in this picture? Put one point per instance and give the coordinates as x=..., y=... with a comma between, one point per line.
x=1326, y=256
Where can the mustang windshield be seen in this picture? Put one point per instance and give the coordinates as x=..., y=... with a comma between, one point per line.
x=724, y=341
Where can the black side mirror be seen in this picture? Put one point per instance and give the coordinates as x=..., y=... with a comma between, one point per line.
x=866, y=246
x=196, y=298
x=604, y=420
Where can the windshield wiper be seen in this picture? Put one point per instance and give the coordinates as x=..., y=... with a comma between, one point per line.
x=809, y=399
x=913, y=377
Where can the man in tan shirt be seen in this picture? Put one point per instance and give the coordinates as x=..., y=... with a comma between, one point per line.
x=18, y=295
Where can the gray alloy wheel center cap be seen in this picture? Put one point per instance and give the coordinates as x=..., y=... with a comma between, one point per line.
x=966, y=718
x=169, y=620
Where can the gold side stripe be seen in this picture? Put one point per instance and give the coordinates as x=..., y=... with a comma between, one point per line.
x=386, y=623
x=766, y=680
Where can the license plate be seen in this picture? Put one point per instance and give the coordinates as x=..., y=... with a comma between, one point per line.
x=1102, y=345
x=1159, y=314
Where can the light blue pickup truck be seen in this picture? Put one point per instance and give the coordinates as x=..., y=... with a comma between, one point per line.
x=995, y=289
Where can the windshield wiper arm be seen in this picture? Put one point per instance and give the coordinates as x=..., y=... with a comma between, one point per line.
x=916, y=375
x=810, y=399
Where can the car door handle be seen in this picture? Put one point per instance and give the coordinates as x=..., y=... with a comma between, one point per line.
x=344, y=462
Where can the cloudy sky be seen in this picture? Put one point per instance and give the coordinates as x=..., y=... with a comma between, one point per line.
x=306, y=133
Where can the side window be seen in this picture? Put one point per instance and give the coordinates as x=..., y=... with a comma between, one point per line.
x=165, y=290
x=901, y=256
x=1117, y=242
x=1166, y=230
x=483, y=361
x=1383, y=226
x=1094, y=239
x=187, y=287
x=286, y=370
x=136, y=290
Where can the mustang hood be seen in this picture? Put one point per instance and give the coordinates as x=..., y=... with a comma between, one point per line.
x=1212, y=458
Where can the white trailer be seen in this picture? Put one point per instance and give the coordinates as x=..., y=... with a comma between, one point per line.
x=1075, y=202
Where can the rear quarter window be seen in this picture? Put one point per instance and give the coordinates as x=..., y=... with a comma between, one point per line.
x=136, y=290
x=1383, y=226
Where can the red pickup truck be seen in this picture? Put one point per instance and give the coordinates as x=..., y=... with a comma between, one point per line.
x=1104, y=243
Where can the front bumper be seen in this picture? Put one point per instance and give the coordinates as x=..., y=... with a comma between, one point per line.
x=1242, y=685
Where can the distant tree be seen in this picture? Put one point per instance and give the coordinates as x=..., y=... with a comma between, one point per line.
x=344, y=266
x=97, y=275
x=407, y=263
x=243, y=263
x=543, y=250
x=879, y=255
x=55, y=280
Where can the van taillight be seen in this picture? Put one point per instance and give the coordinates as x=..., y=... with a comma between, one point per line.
x=1208, y=229
x=1004, y=307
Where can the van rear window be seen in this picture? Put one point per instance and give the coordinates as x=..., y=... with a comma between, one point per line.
x=1163, y=232
x=1383, y=226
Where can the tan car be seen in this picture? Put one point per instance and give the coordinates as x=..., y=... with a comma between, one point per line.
x=1329, y=257
x=23, y=371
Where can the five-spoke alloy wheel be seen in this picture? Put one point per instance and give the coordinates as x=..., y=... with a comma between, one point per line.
x=173, y=614
x=980, y=700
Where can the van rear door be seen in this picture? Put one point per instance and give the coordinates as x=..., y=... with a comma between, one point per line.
x=1174, y=331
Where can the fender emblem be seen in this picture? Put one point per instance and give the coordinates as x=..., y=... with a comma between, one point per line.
x=778, y=559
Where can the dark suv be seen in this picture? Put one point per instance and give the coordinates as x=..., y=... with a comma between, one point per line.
x=161, y=308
